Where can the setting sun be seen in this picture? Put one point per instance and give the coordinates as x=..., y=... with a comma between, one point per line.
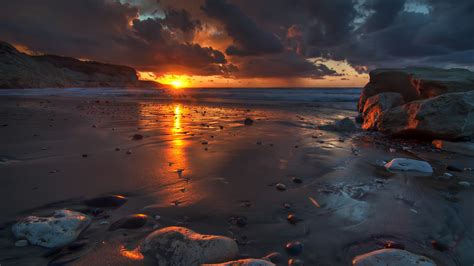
x=176, y=81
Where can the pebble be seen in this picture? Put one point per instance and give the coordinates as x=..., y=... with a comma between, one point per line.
x=84, y=155
x=78, y=244
x=281, y=186
x=391, y=244
x=133, y=221
x=297, y=180
x=104, y=223
x=21, y=243
x=137, y=137
x=294, y=248
x=464, y=183
x=439, y=246
x=241, y=221
x=129, y=152
x=454, y=168
x=248, y=121
x=295, y=262
x=274, y=257
x=287, y=206
x=293, y=219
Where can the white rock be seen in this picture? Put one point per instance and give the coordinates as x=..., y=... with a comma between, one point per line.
x=21, y=243
x=181, y=246
x=464, y=183
x=56, y=231
x=244, y=262
x=403, y=164
x=391, y=256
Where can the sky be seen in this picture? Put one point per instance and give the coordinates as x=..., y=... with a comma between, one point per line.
x=248, y=43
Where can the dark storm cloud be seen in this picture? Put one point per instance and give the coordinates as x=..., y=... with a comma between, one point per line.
x=249, y=39
x=102, y=30
x=285, y=64
x=269, y=38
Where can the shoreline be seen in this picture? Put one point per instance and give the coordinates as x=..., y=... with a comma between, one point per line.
x=234, y=174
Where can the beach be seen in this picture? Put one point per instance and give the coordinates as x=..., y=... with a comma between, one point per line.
x=190, y=160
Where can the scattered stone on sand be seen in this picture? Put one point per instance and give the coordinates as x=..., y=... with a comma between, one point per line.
x=181, y=246
x=106, y=201
x=465, y=148
x=409, y=165
x=137, y=137
x=248, y=121
x=21, y=243
x=55, y=231
x=295, y=262
x=391, y=256
x=243, y=262
x=133, y=221
x=274, y=257
x=464, y=184
x=280, y=186
x=294, y=248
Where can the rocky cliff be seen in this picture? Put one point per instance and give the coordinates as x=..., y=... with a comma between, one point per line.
x=419, y=102
x=19, y=70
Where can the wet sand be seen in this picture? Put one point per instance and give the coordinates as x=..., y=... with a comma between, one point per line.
x=200, y=167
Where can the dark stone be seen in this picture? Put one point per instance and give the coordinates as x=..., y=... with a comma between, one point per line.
x=455, y=168
x=241, y=221
x=274, y=257
x=133, y=221
x=297, y=180
x=295, y=262
x=137, y=137
x=439, y=246
x=96, y=211
x=85, y=156
x=248, y=121
x=281, y=186
x=294, y=248
x=78, y=244
x=106, y=201
x=395, y=245
x=293, y=219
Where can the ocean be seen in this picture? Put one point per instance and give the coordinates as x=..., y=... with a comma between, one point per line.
x=247, y=95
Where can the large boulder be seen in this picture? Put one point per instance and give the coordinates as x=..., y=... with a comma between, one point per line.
x=376, y=105
x=449, y=116
x=391, y=256
x=181, y=246
x=416, y=83
x=56, y=231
